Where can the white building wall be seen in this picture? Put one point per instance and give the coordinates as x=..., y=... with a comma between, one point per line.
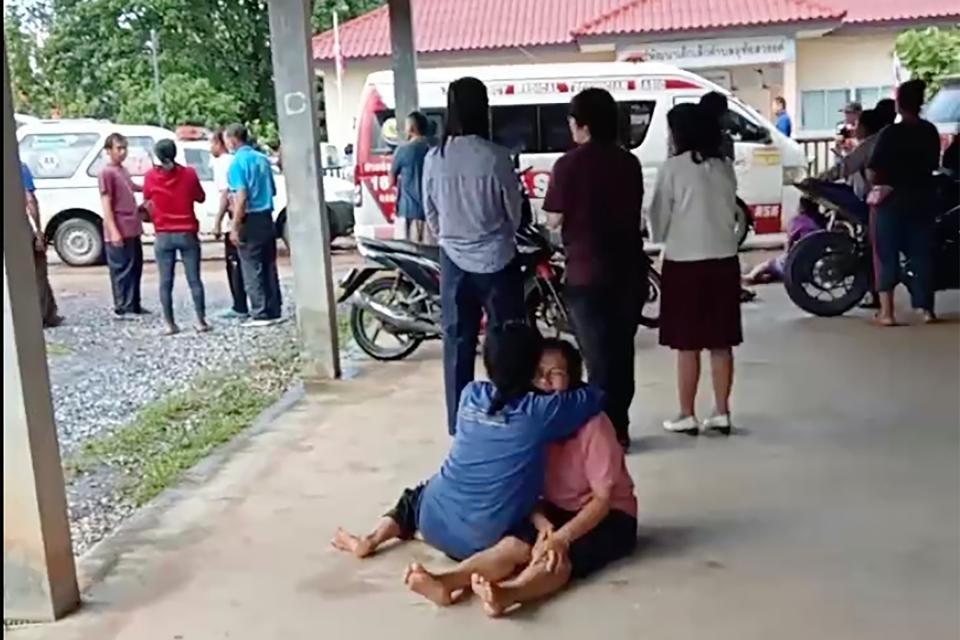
x=843, y=62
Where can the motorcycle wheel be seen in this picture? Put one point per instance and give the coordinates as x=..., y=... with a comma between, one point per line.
x=548, y=314
x=742, y=223
x=650, y=313
x=367, y=328
x=823, y=274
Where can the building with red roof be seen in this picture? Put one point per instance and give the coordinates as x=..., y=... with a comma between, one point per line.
x=818, y=54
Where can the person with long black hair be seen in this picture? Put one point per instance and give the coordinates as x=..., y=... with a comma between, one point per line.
x=694, y=214
x=596, y=195
x=478, y=507
x=472, y=203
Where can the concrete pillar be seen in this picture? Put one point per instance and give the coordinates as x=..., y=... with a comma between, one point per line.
x=404, y=58
x=39, y=577
x=790, y=91
x=309, y=226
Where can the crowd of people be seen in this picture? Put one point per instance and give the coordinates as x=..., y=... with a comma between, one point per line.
x=534, y=490
x=244, y=181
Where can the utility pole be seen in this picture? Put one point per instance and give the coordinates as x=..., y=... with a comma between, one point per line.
x=295, y=84
x=154, y=46
x=404, y=59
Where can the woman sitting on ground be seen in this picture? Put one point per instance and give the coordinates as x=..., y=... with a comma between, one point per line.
x=586, y=520
x=478, y=506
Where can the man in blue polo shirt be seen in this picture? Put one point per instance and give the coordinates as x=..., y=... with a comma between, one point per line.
x=250, y=180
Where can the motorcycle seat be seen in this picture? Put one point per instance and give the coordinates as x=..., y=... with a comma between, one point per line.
x=428, y=251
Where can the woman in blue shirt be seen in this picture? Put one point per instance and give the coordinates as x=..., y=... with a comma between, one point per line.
x=478, y=506
x=472, y=203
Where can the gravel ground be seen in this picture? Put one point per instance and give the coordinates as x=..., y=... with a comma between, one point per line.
x=102, y=371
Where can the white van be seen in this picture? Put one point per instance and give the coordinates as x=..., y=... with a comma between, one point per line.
x=528, y=115
x=65, y=157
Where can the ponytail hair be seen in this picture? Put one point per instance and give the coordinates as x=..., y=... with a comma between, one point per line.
x=511, y=354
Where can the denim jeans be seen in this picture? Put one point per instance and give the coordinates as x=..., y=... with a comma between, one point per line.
x=126, y=267
x=903, y=224
x=464, y=296
x=258, y=260
x=166, y=247
x=605, y=323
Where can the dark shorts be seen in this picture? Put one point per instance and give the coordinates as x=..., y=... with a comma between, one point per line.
x=407, y=511
x=614, y=538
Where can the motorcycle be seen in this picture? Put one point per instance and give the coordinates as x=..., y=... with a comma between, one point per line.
x=828, y=272
x=396, y=295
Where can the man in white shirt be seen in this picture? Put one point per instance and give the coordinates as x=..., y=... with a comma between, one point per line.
x=221, y=164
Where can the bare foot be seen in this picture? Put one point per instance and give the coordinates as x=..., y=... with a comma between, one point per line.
x=202, y=327
x=421, y=581
x=346, y=541
x=884, y=321
x=171, y=330
x=490, y=594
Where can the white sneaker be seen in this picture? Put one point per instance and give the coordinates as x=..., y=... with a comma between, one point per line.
x=257, y=323
x=719, y=423
x=688, y=425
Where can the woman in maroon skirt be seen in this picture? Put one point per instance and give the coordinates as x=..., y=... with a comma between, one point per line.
x=693, y=214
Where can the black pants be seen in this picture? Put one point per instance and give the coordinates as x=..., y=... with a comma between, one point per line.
x=613, y=538
x=258, y=259
x=235, y=276
x=126, y=267
x=464, y=297
x=605, y=323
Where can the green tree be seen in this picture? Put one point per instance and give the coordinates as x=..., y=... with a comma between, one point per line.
x=346, y=9
x=186, y=100
x=26, y=85
x=930, y=54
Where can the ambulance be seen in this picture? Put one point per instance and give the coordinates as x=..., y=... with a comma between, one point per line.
x=528, y=115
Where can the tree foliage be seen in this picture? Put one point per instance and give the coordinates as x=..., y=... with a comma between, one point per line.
x=930, y=54
x=95, y=61
x=346, y=9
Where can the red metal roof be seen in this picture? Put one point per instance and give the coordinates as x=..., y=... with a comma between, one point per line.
x=647, y=16
x=859, y=11
x=464, y=25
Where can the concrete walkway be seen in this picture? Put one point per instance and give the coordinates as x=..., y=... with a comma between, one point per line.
x=833, y=513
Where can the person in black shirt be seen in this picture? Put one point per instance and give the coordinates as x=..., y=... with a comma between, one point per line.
x=901, y=169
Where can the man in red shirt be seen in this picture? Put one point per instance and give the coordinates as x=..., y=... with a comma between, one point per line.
x=170, y=191
x=122, y=228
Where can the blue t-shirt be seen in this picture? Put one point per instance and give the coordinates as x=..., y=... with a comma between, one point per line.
x=784, y=125
x=493, y=475
x=27, y=178
x=407, y=170
x=250, y=171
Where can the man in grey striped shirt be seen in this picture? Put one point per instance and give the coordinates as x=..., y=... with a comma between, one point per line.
x=472, y=203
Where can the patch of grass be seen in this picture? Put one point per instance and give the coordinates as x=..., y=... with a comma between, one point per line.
x=56, y=349
x=344, y=336
x=172, y=434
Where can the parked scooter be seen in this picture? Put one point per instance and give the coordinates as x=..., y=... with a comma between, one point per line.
x=828, y=272
x=396, y=296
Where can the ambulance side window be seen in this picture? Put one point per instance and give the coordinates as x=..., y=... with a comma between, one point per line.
x=742, y=129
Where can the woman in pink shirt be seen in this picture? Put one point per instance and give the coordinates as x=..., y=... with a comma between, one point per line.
x=588, y=517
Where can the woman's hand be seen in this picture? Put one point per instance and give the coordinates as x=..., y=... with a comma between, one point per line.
x=551, y=549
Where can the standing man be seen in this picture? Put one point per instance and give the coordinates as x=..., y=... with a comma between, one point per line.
x=48, y=304
x=122, y=229
x=595, y=196
x=784, y=124
x=407, y=172
x=846, y=139
x=222, y=159
x=250, y=180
